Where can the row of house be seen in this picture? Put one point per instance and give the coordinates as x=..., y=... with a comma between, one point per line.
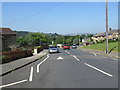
x=112, y=35
x=7, y=39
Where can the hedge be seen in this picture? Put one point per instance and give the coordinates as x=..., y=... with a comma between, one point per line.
x=9, y=56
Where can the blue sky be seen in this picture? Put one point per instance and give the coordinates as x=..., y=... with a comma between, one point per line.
x=62, y=18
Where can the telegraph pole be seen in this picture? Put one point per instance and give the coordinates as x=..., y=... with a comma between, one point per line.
x=106, y=26
x=79, y=40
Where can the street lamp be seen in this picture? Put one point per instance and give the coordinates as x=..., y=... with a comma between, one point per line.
x=106, y=26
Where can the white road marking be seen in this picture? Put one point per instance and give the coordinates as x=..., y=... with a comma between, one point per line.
x=13, y=83
x=31, y=74
x=59, y=58
x=115, y=59
x=104, y=57
x=95, y=54
x=67, y=52
x=98, y=70
x=76, y=57
x=41, y=63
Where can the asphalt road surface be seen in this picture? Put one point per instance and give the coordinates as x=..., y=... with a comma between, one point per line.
x=67, y=69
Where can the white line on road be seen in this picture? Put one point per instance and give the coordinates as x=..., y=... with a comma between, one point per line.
x=98, y=70
x=104, y=57
x=41, y=63
x=115, y=59
x=13, y=83
x=31, y=74
x=65, y=51
x=76, y=57
x=95, y=54
x=68, y=53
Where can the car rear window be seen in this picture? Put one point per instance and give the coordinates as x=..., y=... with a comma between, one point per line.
x=66, y=45
x=53, y=46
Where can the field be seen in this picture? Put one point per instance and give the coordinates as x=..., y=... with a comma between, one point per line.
x=113, y=46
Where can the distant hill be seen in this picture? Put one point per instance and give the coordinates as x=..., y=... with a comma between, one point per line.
x=22, y=33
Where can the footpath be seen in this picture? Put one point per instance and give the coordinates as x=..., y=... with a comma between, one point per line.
x=112, y=54
x=17, y=64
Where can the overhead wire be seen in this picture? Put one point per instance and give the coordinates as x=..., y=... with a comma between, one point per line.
x=27, y=17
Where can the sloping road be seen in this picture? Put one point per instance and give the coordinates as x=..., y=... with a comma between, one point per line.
x=68, y=69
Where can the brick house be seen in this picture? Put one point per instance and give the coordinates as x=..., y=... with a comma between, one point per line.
x=112, y=35
x=8, y=38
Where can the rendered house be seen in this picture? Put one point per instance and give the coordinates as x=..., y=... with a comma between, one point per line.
x=8, y=38
x=112, y=35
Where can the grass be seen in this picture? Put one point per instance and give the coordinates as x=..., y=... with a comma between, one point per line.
x=113, y=46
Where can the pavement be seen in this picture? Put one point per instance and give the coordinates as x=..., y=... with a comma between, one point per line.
x=111, y=54
x=68, y=69
x=14, y=65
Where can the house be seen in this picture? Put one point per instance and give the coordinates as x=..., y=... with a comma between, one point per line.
x=86, y=42
x=112, y=35
x=8, y=38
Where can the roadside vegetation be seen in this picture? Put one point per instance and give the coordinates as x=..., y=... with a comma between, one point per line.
x=37, y=39
x=113, y=46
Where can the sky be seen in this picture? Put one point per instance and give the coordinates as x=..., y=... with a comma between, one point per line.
x=59, y=17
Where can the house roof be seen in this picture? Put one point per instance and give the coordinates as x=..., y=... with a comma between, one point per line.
x=109, y=33
x=7, y=31
x=99, y=34
x=114, y=31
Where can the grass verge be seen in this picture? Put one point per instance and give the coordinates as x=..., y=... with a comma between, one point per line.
x=113, y=46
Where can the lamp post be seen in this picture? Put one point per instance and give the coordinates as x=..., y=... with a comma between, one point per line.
x=106, y=26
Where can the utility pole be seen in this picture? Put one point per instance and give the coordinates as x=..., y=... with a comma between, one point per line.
x=106, y=26
x=79, y=40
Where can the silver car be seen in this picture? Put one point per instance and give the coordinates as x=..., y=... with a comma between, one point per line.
x=74, y=46
x=53, y=49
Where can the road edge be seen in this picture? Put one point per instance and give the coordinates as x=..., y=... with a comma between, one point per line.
x=10, y=71
x=118, y=57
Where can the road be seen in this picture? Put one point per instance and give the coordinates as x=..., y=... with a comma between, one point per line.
x=67, y=69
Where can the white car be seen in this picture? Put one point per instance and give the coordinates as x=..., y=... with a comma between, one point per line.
x=74, y=46
x=53, y=49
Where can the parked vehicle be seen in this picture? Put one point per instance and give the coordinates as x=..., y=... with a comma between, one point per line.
x=74, y=46
x=66, y=46
x=53, y=49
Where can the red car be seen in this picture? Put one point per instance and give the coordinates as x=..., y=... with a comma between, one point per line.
x=66, y=46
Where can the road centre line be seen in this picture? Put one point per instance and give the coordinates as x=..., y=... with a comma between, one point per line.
x=31, y=74
x=67, y=51
x=95, y=54
x=41, y=63
x=13, y=83
x=98, y=70
x=104, y=57
x=76, y=57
